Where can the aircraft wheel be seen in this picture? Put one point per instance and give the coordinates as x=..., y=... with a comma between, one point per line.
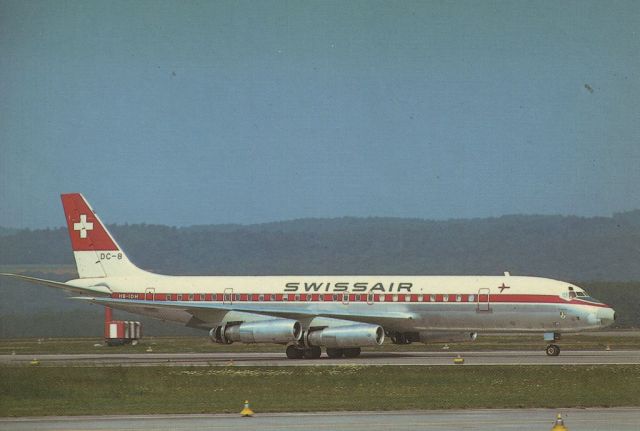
x=352, y=352
x=552, y=350
x=293, y=352
x=312, y=352
x=335, y=353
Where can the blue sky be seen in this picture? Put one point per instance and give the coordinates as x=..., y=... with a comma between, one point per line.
x=187, y=113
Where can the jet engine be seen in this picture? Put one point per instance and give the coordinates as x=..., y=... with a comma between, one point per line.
x=264, y=331
x=356, y=335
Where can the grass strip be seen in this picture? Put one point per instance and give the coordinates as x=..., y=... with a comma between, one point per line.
x=31, y=391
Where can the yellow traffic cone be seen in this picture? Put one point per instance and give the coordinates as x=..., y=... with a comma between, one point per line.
x=559, y=424
x=246, y=411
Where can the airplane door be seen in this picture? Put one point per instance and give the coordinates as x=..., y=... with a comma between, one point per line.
x=370, y=298
x=227, y=296
x=150, y=294
x=345, y=298
x=484, y=302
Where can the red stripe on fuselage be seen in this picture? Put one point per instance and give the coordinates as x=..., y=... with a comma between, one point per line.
x=361, y=298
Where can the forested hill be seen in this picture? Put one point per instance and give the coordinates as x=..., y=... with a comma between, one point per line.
x=570, y=248
x=7, y=231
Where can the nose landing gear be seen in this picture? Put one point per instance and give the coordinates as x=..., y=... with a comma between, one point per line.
x=552, y=350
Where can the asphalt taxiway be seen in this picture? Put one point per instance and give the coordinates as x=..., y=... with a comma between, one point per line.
x=619, y=419
x=617, y=357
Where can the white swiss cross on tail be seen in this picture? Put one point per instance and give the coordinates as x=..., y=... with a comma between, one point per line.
x=83, y=226
x=96, y=253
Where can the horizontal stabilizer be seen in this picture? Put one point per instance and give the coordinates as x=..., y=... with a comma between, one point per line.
x=91, y=290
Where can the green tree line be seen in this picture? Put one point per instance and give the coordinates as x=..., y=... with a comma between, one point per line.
x=573, y=248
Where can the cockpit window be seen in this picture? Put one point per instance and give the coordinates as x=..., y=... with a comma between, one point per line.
x=571, y=293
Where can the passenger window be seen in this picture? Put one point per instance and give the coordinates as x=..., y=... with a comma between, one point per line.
x=472, y=298
x=180, y=297
x=261, y=298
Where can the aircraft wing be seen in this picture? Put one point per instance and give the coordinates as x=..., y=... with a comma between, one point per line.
x=91, y=290
x=201, y=310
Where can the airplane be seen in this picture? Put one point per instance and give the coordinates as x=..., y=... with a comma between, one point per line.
x=339, y=313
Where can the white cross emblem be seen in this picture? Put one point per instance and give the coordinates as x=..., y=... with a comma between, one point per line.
x=83, y=226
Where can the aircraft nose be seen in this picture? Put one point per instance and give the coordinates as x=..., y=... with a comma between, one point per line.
x=606, y=315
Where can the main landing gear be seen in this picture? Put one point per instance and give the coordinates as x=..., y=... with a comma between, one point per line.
x=295, y=352
x=314, y=352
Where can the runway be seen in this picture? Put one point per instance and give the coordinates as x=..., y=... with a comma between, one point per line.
x=619, y=419
x=619, y=357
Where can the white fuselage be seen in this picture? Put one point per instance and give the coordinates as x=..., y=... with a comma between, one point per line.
x=399, y=303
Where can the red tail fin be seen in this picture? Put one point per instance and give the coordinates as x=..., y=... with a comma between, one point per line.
x=96, y=252
x=85, y=229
